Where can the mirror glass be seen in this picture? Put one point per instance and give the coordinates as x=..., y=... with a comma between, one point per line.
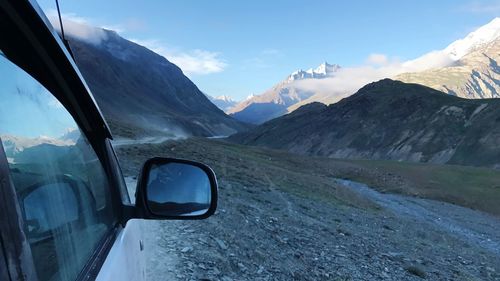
x=178, y=189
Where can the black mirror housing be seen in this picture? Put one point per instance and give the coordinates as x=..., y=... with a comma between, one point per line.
x=175, y=189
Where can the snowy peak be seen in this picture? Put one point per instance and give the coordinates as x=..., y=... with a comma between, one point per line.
x=223, y=102
x=225, y=98
x=323, y=70
x=483, y=35
x=326, y=68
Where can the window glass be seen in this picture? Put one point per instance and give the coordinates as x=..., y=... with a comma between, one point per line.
x=60, y=183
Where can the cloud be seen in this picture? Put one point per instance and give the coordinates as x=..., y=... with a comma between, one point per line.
x=348, y=80
x=377, y=59
x=78, y=27
x=430, y=60
x=193, y=62
x=198, y=62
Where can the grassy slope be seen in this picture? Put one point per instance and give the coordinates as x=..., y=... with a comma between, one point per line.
x=312, y=177
x=476, y=188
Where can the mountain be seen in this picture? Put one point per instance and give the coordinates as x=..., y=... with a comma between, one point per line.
x=483, y=35
x=473, y=71
x=142, y=93
x=475, y=75
x=389, y=120
x=15, y=144
x=276, y=101
x=466, y=68
x=225, y=103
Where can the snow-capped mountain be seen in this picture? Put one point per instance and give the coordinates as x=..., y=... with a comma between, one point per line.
x=467, y=68
x=16, y=145
x=225, y=103
x=322, y=71
x=480, y=37
x=275, y=102
x=473, y=71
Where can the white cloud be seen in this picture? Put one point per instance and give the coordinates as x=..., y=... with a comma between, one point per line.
x=198, y=62
x=430, y=60
x=348, y=80
x=78, y=27
x=193, y=62
x=377, y=59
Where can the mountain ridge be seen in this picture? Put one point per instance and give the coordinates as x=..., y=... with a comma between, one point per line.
x=475, y=75
x=468, y=81
x=142, y=93
x=276, y=101
x=389, y=120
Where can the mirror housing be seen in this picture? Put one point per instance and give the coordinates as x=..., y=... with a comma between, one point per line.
x=175, y=189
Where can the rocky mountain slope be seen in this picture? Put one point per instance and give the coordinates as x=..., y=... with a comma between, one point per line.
x=476, y=75
x=142, y=93
x=276, y=101
x=389, y=120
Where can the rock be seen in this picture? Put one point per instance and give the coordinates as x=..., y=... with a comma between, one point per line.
x=260, y=270
x=202, y=266
x=186, y=249
x=490, y=269
x=221, y=243
x=242, y=267
x=215, y=271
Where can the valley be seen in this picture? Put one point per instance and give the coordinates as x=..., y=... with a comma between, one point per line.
x=290, y=217
x=333, y=173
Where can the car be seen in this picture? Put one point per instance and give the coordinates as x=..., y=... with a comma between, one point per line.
x=66, y=213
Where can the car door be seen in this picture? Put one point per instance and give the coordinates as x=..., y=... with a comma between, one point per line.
x=63, y=191
x=66, y=213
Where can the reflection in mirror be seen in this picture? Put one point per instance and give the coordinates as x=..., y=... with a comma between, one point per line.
x=43, y=207
x=178, y=189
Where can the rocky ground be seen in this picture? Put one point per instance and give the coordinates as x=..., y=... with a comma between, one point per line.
x=277, y=223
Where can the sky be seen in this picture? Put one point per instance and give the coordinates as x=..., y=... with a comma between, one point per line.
x=238, y=48
x=28, y=109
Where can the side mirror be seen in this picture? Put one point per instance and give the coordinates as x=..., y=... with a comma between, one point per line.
x=176, y=189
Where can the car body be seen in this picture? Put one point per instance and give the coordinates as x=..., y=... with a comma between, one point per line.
x=66, y=213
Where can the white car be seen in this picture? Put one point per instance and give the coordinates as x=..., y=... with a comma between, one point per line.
x=65, y=211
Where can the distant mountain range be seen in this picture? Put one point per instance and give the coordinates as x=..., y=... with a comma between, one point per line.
x=389, y=120
x=470, y=70
x=225, y=103
x=276, y=101
x=141, y=93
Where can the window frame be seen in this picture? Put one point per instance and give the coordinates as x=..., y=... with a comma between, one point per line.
x=45, y=57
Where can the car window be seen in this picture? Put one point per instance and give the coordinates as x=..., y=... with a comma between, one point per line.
x=60, y=183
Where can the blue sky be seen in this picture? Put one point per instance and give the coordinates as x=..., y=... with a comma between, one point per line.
x=238, y=48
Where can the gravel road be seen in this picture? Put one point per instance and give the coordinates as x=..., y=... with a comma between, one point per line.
x=473, y=227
